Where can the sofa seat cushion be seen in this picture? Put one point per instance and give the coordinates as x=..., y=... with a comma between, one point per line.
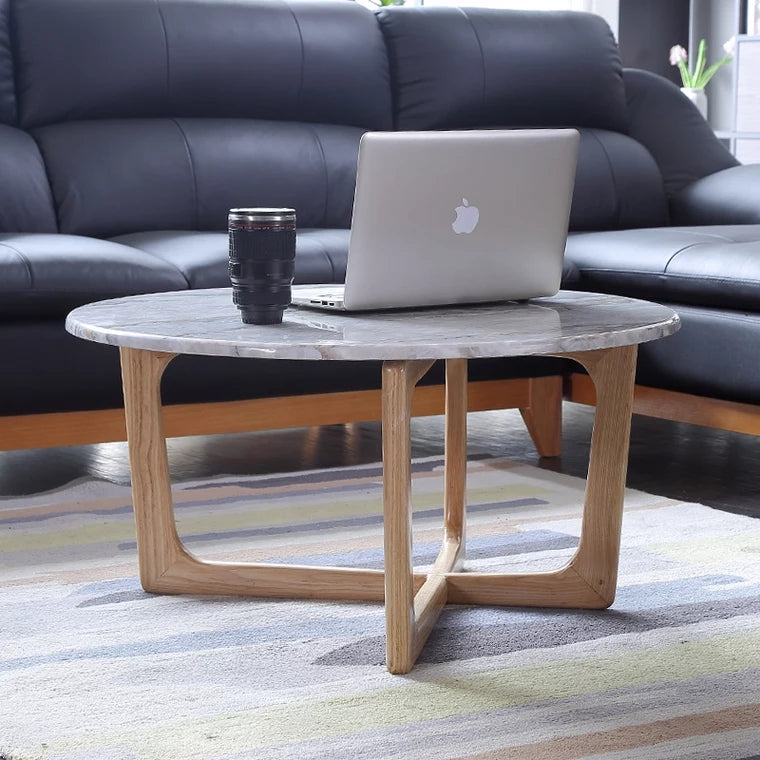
x=89, y=377
x=202, y=257
x=321, y=256
x=47, y=275
x=712, y=266
x=617, y=184
x=711, y=355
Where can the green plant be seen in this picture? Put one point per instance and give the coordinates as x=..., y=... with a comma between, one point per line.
x=701, y=74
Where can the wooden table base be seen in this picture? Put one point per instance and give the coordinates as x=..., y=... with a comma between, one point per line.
x=413, y=602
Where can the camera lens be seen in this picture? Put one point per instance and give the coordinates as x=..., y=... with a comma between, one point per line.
x=262, y=262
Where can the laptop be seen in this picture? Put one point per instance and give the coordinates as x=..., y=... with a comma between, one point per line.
x=461, y=217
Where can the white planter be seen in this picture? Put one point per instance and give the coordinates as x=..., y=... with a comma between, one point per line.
x=697, y=97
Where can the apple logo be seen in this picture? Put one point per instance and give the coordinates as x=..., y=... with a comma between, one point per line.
x=467, y=218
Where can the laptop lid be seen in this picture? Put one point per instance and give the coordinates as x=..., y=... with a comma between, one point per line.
x=459, y=217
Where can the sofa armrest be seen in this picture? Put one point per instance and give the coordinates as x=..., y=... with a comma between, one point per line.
x=730, y=196
x=671, y=128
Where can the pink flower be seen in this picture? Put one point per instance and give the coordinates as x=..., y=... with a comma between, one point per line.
x=678, y=54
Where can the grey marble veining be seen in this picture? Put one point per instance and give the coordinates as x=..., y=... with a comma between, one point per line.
x=207, y=322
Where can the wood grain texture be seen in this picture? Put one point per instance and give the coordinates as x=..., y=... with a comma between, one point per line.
x=165, y=565
x=410, y=616
x=189, y=575
x=455, y=468
x=590, y=578
x=731, y=416
x=158, y=545
x=430, y=600
x=561, y=588
x=39, y=431
x=413, y=603
x=613, y=372
x=543, y=415
x=34, y=431
x=399, y=379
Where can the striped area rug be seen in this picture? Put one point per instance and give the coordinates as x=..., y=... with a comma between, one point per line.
x=93, y=668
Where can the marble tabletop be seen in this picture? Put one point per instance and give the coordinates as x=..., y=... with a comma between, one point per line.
x=207, y=322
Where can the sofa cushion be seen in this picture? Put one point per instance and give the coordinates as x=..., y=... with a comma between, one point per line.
x=202, y=256
x=713, y=354
x=728, y=196
x=48, y=275
x=321, y=256
x=682, y=143
x=26, y=203
x=301, y=60
x=38, y=381
x=617, y=184
x=120, y=176
x=475, y=67
x=711, y=266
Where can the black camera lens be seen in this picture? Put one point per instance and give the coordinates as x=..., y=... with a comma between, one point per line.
x=262, y=262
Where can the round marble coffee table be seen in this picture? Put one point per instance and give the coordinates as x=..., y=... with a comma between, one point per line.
x=600, y=332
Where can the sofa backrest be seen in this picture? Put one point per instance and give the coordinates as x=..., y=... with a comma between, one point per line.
x=164, y=114
x=460, y=68
x=26, y=203
x=121, y=116
x=486, y=67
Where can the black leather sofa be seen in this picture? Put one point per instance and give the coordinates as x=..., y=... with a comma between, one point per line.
x=128, y=128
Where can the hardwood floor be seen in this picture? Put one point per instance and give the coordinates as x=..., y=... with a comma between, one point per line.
x=671, y=459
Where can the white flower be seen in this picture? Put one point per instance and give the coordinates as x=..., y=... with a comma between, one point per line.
x=730, y=46
x=678, y=54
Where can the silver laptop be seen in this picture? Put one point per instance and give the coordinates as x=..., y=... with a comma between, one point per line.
x=455, y=217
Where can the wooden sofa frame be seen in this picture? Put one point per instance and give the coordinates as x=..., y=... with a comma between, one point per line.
x=538, y=399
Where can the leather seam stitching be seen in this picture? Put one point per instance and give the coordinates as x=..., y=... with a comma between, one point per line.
x=192, y=170
x=618, y=210
x=24, y=261
x=166, y=49
x=675, y=253
x=670, y=275
x=482, y=60
x=318, y=141
x=303, y=61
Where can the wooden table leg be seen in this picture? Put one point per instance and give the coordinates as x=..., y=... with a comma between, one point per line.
x=590, y=578
x=413, y=602
x=399, y=379
x=596, y=561
x=410, y=617
x=158, y=545
x=455, y=468
x=166, y=566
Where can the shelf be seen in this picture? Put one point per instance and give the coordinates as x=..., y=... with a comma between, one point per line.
x=723, y=134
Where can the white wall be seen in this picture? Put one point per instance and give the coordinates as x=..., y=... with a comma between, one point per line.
x=609, y=10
